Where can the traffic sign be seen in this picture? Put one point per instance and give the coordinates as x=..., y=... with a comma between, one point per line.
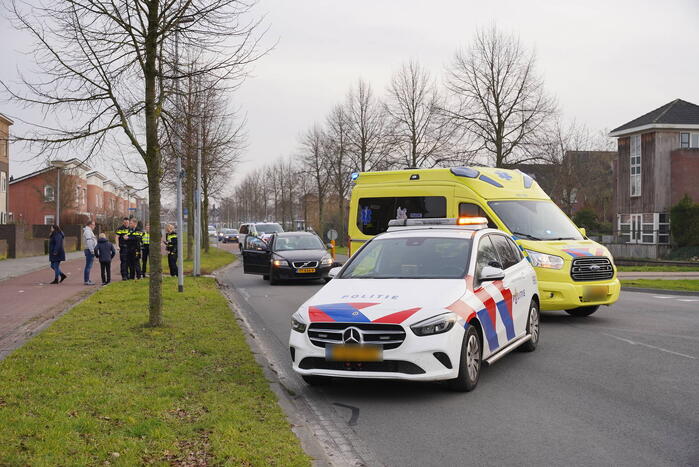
x=332, y=234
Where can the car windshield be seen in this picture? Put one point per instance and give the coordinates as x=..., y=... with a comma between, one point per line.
x=535, y=220
x=411, y=258
x=268, y=228
x=298, y=242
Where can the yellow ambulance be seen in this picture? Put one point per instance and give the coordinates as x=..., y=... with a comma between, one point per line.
x=574, y=273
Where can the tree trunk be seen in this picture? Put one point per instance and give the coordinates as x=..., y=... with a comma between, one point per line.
x=155, y=316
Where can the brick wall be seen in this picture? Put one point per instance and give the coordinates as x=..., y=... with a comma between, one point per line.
x=685, y=174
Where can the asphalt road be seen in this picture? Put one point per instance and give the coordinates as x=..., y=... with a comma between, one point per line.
x=618, y=388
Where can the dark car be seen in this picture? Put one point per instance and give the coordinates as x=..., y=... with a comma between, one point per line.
x=229, y=235
x=287, y=256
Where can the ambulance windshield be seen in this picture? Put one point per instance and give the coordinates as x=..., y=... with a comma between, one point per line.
x=535, y=220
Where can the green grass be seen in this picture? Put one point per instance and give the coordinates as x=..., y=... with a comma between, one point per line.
x=99, y=387
x=214, y=259
x=669, y=284
x=652, y=268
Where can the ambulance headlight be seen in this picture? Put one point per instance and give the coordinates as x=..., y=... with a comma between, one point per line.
x=435, y=325
x=542, y=260
x=297, y=323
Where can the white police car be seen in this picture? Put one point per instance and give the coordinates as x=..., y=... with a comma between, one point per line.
x=431, y=299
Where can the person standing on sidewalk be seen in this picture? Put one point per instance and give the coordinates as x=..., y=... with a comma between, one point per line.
x=133, y=250
x=90, y=242
x=121, y=232
x=56, y=253
x=171, y=247
x=145, y=250
x=105, y=252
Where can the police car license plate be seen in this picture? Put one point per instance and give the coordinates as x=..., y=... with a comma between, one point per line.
x=306, y=270
x=354, y=353
x=595, y=293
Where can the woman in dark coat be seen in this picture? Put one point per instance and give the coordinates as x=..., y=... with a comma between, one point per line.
x=56, y=253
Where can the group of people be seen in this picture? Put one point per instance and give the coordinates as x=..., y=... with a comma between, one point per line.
x=134, y=250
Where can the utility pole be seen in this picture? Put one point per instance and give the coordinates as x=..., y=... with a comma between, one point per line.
x=197, y=207
x=57, y=196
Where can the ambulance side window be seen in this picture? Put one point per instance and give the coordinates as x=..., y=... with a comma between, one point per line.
x=474, y=210
x=487, y=256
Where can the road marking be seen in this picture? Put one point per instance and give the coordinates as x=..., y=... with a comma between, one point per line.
x=688, y=300
x=629, y=341
x=662, y=296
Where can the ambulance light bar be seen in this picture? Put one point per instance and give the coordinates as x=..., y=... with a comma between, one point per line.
x=474, y=222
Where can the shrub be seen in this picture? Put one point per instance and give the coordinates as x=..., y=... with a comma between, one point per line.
x=586, y=218
x=684, y=222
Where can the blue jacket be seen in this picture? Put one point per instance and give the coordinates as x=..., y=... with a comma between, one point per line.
x=104, y=250
x=56, y=251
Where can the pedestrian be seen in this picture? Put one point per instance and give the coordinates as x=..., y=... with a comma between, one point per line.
x=133, y=250
x=171, y=247
x=121, y=232
x=90, y=242
x=56, y=253
x=145, y=250
x=105, y=251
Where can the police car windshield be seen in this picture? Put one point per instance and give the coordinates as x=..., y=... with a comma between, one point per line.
x=536, y=220
x=268, y=228
x=298, y=242
x=411, y=258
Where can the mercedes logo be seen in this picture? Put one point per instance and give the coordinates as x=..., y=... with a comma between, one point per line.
x=352, y=336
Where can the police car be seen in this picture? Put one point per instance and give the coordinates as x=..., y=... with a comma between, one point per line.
x=430, y=299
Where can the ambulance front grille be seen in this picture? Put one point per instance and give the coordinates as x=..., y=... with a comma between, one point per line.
x=390, y=336
x=597, y=268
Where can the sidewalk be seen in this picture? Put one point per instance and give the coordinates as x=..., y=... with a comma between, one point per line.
x=20, y=266
x=29, y=302
x=658, y=275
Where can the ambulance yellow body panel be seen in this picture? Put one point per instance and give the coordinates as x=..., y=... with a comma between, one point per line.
x=574, y=273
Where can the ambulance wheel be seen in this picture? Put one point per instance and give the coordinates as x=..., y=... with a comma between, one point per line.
x=532, y=328
x=315, y=380
x=582, y=311
x=470, y=362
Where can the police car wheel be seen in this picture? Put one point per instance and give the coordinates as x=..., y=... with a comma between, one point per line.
x=315, y=380
x=532, y=328
x=582, y=311
x=470, y=362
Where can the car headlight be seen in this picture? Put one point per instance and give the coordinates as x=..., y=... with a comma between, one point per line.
x=278, y=262
x=542, y=260
x=435, y=325
x=326, y=261
x=297, y=323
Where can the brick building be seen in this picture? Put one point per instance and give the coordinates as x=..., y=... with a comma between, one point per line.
x=657, y=164
x=83, y=194
x=5, y=124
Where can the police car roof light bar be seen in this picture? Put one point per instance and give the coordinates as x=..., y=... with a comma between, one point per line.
x=472, y=222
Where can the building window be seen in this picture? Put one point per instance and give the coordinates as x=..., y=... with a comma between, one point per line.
x=49, y=220
x=3, y=182
x=689, y=140
x=684, y=140
x=48, y=193
x=636, y=165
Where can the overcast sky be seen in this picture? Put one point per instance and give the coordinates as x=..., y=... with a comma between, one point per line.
x=605, y=62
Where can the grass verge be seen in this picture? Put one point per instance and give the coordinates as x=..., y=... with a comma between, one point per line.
x=98, y=387
x=691, y=285
x=658, y=268
x=211, y=261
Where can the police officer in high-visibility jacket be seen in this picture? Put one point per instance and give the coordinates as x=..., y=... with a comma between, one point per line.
x=171, y=247
x=133, y=249
x=145, y=250
x=121, y=232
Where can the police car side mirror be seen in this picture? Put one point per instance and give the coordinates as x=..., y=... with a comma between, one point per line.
x=490, y=273
x=333, y=272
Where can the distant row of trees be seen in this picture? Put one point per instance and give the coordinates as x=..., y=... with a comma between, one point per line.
x=491, y=110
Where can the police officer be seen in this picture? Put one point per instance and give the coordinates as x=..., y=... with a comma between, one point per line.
x=145, y=250
x=133, y=250
x=171, y=247
x=121, y=232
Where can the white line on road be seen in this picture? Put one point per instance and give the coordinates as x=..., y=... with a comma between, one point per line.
x=688, y=300
x=629, y=341
x=662, y=296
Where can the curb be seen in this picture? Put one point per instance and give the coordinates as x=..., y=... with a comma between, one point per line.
x=660, y=291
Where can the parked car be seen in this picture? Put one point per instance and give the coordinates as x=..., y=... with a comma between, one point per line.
x=427, y=300
x=287, y=256
x=229, y=235
x=257, y=229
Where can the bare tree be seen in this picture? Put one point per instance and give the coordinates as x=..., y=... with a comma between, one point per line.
x=367, y=136
x=107, y=64
x=314, y=147
x=338, y=163
x=498, y=97
x=423, y=137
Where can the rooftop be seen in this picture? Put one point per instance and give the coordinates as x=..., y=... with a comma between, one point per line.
x=676, y=114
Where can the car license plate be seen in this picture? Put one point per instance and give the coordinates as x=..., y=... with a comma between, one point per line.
x=354, y=353
x=595, y=293
x=306, y=270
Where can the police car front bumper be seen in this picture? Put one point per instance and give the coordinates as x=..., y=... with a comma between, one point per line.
x=417, y=358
